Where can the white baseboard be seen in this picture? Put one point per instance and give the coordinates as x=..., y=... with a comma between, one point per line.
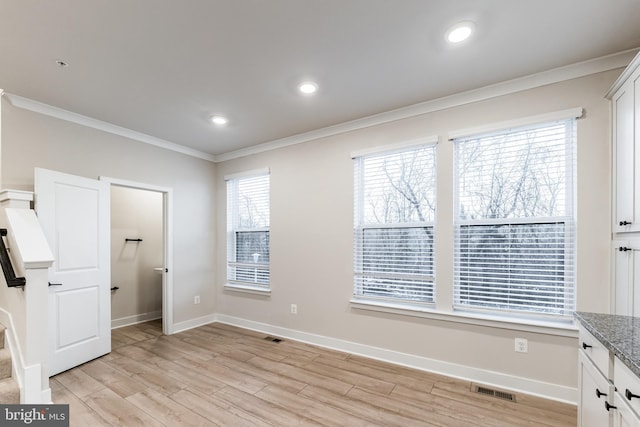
x=33, y=391
x=491, y=378
x=17, y=359
x=29, y=378
x=136, y=318
x=193, y=323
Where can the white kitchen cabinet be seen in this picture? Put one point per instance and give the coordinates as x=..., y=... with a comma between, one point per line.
x=608, y=390
x=625, y=268
x=596, y=352
x=626, y=398
x=595, y=389
x=623, y=415
x=595, y=394
x=625, y=107
x=627, y=395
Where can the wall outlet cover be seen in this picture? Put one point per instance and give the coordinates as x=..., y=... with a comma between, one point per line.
x=521, y=345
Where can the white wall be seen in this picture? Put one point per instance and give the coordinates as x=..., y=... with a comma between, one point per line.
x=312, y=221
x=34, y=140
x=311, y=240
x=136, y=214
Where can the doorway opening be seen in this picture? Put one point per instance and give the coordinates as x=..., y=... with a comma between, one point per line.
x=141, y=258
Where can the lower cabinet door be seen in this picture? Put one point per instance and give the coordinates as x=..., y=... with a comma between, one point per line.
x=623, y=415
x=595, y=396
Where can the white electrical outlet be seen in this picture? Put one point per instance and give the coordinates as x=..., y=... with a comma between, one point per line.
x=294, y=308
x=522, y=345
x=196, y=299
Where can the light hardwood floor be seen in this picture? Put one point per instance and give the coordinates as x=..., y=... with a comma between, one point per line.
x=222, y=375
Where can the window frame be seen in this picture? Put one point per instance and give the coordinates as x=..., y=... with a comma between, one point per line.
x=568, y=255
x=360, y=227
x=233, y=219
x=443, y=310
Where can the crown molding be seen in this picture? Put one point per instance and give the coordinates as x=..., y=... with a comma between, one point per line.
x=69, y=116
x=556, y=75
x=631, y=68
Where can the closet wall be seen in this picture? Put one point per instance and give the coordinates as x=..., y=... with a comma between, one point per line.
x=136, y=214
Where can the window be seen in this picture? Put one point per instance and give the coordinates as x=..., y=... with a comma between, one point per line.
x=394, y=225
x=514, y=242
x=248, y=230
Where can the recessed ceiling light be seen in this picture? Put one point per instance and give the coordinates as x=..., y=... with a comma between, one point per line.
x=460, y=32
x=219, y=120
x=308, y=88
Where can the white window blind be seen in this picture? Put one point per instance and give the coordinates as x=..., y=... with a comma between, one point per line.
x=514, y=243
x=248, y=230
x=394, y=225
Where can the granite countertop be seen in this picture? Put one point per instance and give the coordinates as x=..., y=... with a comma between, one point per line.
x=620, y=334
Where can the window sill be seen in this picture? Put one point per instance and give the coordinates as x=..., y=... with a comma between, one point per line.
x=248, y=289
x=548, y=327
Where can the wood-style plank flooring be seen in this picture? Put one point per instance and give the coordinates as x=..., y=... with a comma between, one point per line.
x=226, y=376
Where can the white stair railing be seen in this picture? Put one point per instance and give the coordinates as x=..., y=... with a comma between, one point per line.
x=24, y=309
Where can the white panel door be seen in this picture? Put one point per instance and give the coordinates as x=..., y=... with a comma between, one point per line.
x=75, y=216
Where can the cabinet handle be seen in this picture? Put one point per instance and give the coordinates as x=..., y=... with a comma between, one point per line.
x=629, y=395
x=609, y=406
x=600, y=394
x=586, y=346
x=624, y=249
x=623, y=223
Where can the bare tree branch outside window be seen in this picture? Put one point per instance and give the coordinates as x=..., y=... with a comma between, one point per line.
x=395, y=212
x=514, y=222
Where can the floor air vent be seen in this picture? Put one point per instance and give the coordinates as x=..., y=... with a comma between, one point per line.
x=495, y=393
x=272, y=339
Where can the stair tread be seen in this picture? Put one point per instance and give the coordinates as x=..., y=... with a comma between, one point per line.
x=9, y=391
x=5, y=363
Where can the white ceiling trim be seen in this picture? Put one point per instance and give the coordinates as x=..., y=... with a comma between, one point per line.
x=69, y=116
x=581, y=69
x=633, y=66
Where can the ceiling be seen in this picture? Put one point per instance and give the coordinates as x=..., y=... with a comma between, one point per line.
x=164, y=67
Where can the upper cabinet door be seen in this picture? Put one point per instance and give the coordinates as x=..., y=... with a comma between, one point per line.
x=625, y=187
